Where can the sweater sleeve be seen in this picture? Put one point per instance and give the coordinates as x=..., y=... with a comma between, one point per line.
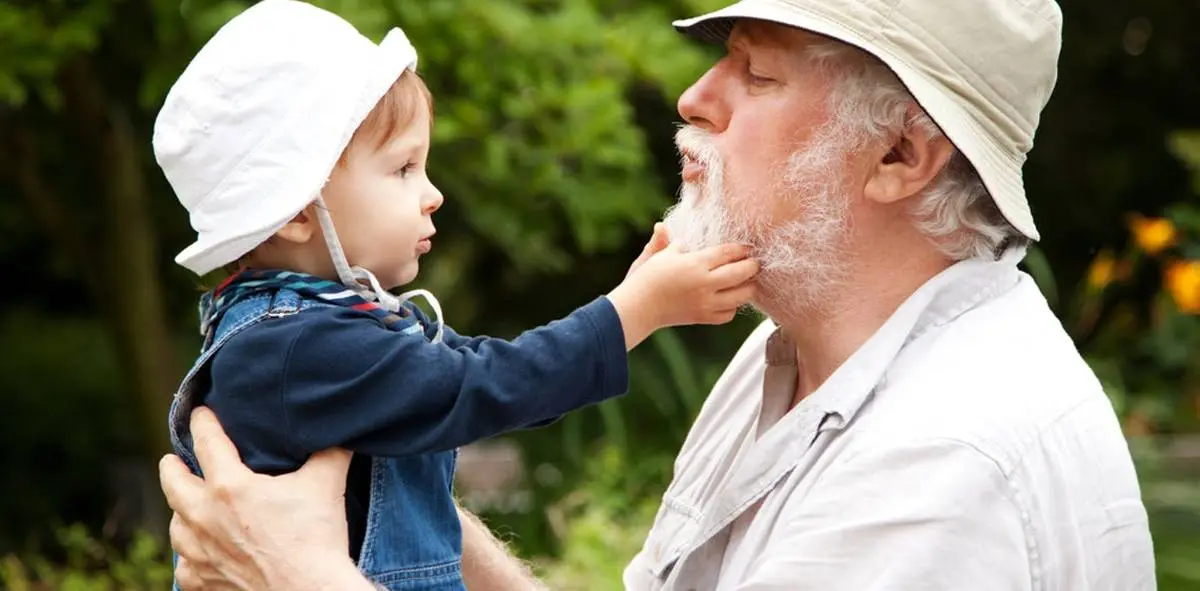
x=449, y=335
x=349, y=382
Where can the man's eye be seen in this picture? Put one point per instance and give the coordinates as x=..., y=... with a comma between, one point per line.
x=758, y=80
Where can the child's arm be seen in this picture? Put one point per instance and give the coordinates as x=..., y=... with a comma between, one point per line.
x=342, y=380
x=350, y=383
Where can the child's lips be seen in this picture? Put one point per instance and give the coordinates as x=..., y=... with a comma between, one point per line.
x=425, y=244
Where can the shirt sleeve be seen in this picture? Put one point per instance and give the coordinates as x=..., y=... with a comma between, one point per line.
x=449, y=335
x=349, y=382
x=932, y=515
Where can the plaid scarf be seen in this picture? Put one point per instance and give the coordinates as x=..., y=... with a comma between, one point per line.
x=251, y=282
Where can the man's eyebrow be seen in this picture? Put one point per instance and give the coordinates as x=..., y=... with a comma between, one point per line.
x=741, y=37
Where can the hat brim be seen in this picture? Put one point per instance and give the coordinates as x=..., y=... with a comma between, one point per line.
x=1000, y=172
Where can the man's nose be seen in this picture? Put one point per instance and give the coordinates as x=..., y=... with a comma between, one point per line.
x=703, y=103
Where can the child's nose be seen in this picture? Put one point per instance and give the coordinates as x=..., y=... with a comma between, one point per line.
x=433, y=200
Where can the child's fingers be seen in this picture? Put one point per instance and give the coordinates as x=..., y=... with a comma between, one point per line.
x=658, y=241
x=717, y=256
x=732, y=299
x=721, y=317
x=661, y=237
x=735, y=273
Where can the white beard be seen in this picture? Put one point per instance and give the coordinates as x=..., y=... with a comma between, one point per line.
x=800, y=258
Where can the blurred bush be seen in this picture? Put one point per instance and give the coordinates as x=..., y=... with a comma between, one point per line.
x=1136, y=313
x=86, y=564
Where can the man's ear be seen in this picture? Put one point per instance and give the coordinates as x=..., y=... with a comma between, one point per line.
x=301, y=228
x=910, y=165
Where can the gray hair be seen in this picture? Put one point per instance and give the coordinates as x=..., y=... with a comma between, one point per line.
x=955, y=212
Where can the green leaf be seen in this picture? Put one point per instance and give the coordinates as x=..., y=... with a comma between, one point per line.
x=1038, y=267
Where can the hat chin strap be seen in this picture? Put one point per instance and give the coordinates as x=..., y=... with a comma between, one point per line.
x=353, y=277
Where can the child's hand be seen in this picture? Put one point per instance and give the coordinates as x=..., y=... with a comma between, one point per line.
x=673, y=288
x=657, y=242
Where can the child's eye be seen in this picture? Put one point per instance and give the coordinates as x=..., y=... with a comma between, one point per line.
x=405, y=170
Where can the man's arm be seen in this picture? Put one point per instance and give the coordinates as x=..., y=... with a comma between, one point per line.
x=246, y=531
x=487, y=564
x=934, y=515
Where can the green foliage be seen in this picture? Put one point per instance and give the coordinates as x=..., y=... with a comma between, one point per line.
x=61, y=416
x=91, y=565
x=604, y=522
x=1136, y=315
x=1038, y=267
x=1185, y=146
x=36, y=40
x=1169, y=487
x=534, y=145
x=668, y=382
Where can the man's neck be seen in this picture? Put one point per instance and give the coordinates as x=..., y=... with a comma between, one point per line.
x=827, y=335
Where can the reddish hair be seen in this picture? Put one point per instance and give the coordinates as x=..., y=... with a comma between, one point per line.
x=395, y=111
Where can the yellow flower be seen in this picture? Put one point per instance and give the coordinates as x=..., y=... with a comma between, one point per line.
x=1182, y=280
x=1102, y=271
x=1152, y=235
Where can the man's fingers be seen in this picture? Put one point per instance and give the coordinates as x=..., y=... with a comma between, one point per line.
x=724, y=254
x=187, y=577
x=183, y=539
x=327, y=466
x=217, y=455
x=182, y=488
x=735, y=273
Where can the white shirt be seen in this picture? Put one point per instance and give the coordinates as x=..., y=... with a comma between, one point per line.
x=965, y=445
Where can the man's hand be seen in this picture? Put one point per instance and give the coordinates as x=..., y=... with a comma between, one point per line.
x=241, y=530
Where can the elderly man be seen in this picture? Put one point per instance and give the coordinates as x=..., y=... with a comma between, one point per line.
x=912, y=416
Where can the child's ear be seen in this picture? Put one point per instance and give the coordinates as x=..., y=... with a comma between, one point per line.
x=301, y=228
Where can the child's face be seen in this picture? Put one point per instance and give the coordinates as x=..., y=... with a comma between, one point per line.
x=382, y=203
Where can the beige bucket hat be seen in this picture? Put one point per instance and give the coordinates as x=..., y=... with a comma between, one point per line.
x=982, y=69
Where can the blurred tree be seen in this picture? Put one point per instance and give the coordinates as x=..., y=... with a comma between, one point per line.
x=77, y=160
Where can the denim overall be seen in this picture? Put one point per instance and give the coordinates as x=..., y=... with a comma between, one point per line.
x=413, y=538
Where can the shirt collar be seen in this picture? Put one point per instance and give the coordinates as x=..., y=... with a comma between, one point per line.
x=958, y=289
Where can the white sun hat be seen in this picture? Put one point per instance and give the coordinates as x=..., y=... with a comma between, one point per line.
x=982, y=69
x=251, y=131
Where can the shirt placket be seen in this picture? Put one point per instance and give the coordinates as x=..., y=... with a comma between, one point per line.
x=766, y=463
